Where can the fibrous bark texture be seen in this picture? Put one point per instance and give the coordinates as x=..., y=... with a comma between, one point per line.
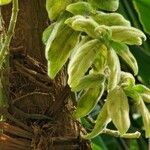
x=39, y=115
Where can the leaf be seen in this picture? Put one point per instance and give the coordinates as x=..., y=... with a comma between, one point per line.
x=58, y=37
x=109, y=5
x=127, y=80
x=118, y=109
x=114, y=67
x=62, y=53
x=101, y=122
x=114, y=143
x=83, y=40
x=82, y=60
x=80, y=8
x=100, y=62
x=123, y=51
x=143, y=91
x=98, y=143
x=135, y=96
x=59, y=25
x=131, y=35
x=134, y=145
x=47, y=32
x=103, y=32
x=146, y=117
x=110, y=19
x=142, y=144
x=142, y=7
x=88, y=101
x=4, y=2
x=83, y=24
x=143, y=63
x=86, y=124
x=89, y=81
x=55, y=7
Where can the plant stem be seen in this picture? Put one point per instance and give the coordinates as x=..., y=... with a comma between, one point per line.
x=5, y=48
x=2, y=30
x=117, y=134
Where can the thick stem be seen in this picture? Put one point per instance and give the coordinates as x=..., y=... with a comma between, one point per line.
x=27, y=49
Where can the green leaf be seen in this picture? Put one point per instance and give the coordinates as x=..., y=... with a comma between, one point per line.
x=4, y=2
x=88, y=100
x=115, y=70
x=97, y=143
x=142, y=144
x=47, y=33
x=143, y=7
x=58, y=37
x=101, y=122
x=103, y=32
x=144, y=65
x=134, y=145
x=109, y=5
x=127, y=79
x=85, y=123
x=100, y=62
x=130, y=92
x=123, y=51
x=127, y=35
x=82, y=60
x=62, y=53
x=55, y=7
x=80, y=8
x=59, y=25
x=83, y=24
x=89, y=81
x=143, y=91
x=146, y=117
x=110, y=19
x=118, y=109
x=114, y=143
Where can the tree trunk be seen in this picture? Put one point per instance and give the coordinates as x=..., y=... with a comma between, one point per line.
x=40, y=110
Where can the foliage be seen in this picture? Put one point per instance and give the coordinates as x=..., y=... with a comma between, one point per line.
x=142, y=7
x=142, y=54
x=96, y=42
x=92, y=40
x=4, y=2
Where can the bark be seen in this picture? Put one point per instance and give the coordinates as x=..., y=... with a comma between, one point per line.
x=40, y=110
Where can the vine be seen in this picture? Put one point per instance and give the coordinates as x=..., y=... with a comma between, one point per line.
x=4, y=52
x=5, y=46
x=92, y=37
